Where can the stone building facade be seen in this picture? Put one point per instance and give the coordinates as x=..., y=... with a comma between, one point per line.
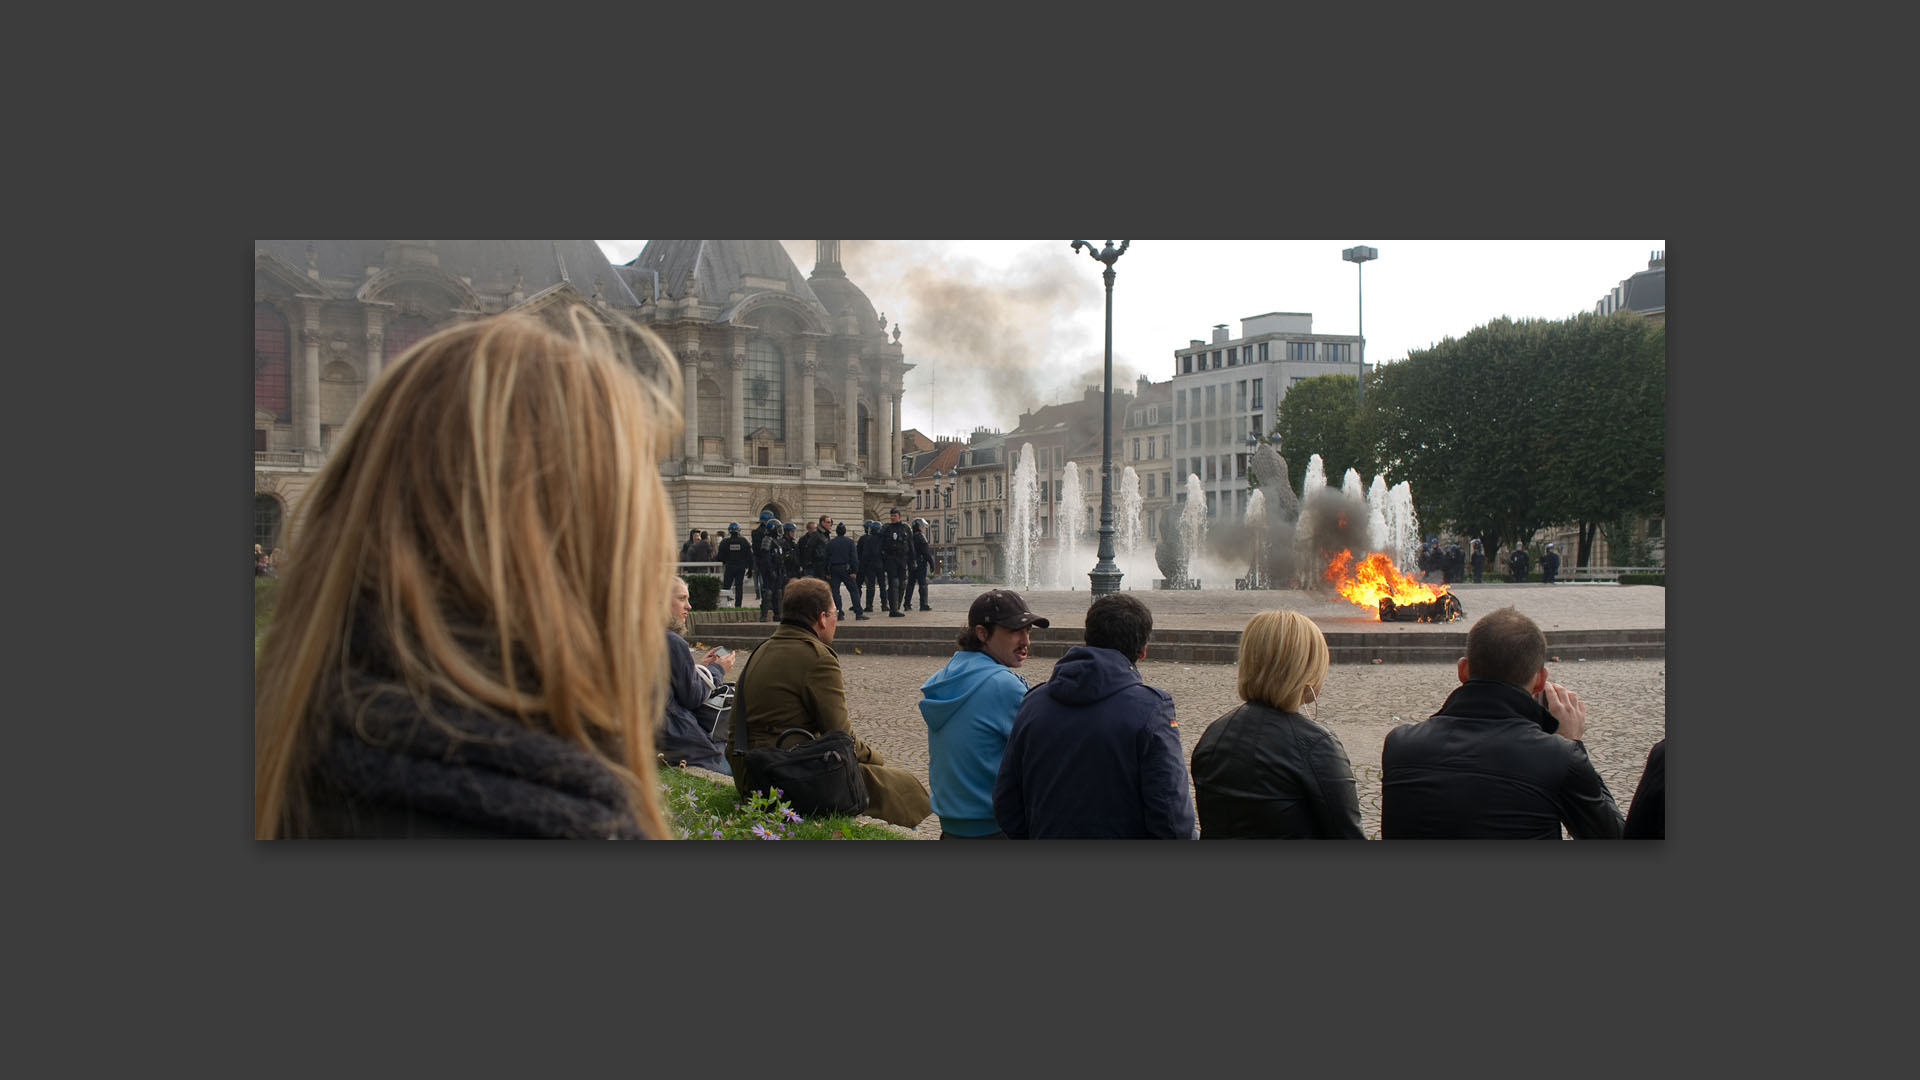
x=792, y=385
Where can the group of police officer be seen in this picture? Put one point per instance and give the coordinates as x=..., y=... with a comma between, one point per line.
x=890, y=559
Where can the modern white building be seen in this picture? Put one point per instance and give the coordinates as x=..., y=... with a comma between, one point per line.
x=1228, y=389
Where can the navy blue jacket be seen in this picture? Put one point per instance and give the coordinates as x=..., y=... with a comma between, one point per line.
x=1094, y=752
x=841, y=557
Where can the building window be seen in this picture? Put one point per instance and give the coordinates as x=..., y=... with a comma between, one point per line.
x=1300, y=351
x=1150, y=477
x=259, y=439
x=765, y=380
x=1210, y=402
x=1233, y=357
x=266, y=522
x=401, y=333
x=270, y=363
x=1153, y=414
x=1045, y=495
x=1210, y=474
x=1240, y=396
x=1136, y=449
x=1256, y=394
x=1216, y=359
x=999, y=522
x=1186, y=364
x=1213, y=433
x=1263, y=352
x=1336, y=352
x=1166, y=446
x=1257, y=425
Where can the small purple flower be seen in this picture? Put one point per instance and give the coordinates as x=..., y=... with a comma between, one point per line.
x=761, y=832
x=787, y=812
x=777, y=795
x=716, y=834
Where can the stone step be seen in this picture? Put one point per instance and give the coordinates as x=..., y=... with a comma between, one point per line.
x=1214, y=646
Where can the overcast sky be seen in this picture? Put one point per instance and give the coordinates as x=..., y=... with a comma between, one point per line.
x=997, y=326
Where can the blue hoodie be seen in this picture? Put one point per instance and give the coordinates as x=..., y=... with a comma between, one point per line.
x=1094, y=753
x=969, y=706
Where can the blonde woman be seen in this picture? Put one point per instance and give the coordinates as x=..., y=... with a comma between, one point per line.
x=1264, y=769
x=469, y=643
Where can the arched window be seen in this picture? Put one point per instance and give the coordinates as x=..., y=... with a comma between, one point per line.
x=270, y=362
x=713, y=413
x=266, y=522
x=766, y=389
x=826, y=416
x=402, y=333
x=863, y=428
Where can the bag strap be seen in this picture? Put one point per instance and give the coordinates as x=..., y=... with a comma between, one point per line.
x=783, y=735
x=739, y=726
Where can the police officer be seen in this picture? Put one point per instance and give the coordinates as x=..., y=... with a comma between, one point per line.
x=1518, y=563
x=736, y=554
x=1455, y=562
x=1549, y=563
x=919, y=561
x=790, y=551
x=1479, y=561
x=769, y=565
x=842, y=557
x=896, y=547
x=872, y=570
x=810, y=540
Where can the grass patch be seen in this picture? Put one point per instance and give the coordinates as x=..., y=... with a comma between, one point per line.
x=705, y=809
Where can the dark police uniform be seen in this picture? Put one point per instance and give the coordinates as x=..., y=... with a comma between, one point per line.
x=872, y=567
x=1549, y=565
x=736, y=554
x=769, y=567
x=919, y=561
x=1517, y=564
x=896, y=544
x=842, y=557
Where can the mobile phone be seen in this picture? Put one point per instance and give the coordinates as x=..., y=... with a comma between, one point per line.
x=721, y=650
x=1548, y=721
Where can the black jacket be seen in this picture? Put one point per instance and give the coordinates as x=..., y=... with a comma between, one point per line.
x=1260, y=772
x=1487, y=765
x=735, y=551
x=922, y=554
x=867, y=548
x=896, y=541
x=811, y=555
x=841, y=556
x=1647, y=814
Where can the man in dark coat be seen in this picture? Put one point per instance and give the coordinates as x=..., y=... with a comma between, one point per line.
x=1502, y=758
x=790, y=550
x=842, y=558
x=873, y=574
x=793, y=680
x=1647, y=815
x=680, y=739
x=919, y=562
x=735, y=554
x=1455, y=562
x=896, y=545
x=1095, y=751
x=1549, y=563
x=1479, y=561
x=1518, y=563
x=812, y=555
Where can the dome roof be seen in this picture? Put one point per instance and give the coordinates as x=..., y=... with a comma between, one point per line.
x=494, y=266
x=842, y=297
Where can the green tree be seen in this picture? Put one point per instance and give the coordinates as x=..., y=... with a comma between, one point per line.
x=1604, y=449
x=1320, y=416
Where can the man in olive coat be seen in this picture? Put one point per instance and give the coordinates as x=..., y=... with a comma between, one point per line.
x=793, y=680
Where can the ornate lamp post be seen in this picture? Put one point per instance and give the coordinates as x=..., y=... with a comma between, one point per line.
x=1359, y=256
x=943, y=499
x=1105, y=577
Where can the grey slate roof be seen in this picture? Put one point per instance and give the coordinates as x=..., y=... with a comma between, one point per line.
x=492, y=264
x=1647, y=290
x=717, y=267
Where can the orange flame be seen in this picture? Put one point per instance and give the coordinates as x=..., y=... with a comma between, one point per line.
x=1376, y=577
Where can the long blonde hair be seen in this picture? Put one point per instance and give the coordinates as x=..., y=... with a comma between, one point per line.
x=494, y=515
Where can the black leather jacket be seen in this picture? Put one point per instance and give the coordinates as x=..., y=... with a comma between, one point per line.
x=1486, y=765
x=1260, y=772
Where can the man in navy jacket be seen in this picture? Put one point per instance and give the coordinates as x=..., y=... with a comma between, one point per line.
x=1095, y=752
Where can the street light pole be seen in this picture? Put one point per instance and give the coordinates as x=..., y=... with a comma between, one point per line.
x=1358, y=256
x=1105, y=576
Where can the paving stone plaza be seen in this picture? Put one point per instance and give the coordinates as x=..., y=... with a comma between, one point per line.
x=1626, y=698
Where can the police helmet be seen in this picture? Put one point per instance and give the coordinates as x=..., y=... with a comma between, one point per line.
x=766, y=515
x=790, y=527
x=919, y=523
x=733, y=526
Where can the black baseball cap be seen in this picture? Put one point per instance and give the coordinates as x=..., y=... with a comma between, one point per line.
x=1003, y=607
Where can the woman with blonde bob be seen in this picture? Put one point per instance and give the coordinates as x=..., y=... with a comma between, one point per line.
x=468, y=643
x=1265, y=770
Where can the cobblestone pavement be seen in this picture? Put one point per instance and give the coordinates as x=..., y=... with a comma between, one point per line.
x=1626, y=699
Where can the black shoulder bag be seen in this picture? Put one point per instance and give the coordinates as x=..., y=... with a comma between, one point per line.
x=818, y=776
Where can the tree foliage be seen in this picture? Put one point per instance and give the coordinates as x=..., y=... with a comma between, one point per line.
x=1519, y=425
x=1320, y=416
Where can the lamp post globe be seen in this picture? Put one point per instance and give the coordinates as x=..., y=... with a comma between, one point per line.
x=1359, y=257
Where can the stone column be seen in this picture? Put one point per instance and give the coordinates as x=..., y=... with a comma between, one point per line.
x=737, y=408
x=309, y=407
x=809, y=367
x=376, y=343
x=690, y=391
x=850, y=417
x=897, y=438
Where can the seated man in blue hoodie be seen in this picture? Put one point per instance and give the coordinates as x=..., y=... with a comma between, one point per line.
x=969, y=706
x=1095, y=752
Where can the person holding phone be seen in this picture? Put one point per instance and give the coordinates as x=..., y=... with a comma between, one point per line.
x=1502, y=758
x=680, y=738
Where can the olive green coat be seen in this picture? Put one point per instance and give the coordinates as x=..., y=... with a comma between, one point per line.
x=793, y=681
